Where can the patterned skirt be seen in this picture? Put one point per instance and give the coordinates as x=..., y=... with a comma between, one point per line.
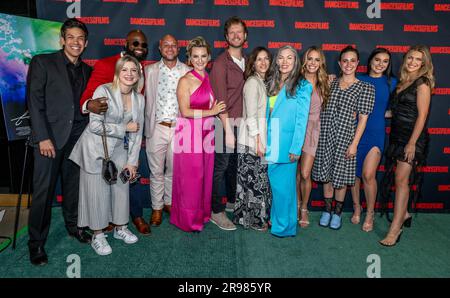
x=253, y=194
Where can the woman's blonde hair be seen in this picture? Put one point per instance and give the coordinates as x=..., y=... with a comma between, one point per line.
x=119, y=65
x=426, y=70
x=197, y=42
x=322, y=75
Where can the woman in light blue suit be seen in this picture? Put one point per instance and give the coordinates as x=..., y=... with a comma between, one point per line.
x=100, y=203
x=289, y=97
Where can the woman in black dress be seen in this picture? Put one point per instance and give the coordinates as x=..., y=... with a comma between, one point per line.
x=408, y=141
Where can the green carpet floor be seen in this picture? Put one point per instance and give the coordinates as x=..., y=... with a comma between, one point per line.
x=424, y=251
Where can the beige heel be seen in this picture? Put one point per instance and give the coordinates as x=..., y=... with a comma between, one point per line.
x=304, y=223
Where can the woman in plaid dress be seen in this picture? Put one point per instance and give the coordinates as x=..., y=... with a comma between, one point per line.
x=335, y=162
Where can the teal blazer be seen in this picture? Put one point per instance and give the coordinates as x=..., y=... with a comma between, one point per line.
x=286, y=125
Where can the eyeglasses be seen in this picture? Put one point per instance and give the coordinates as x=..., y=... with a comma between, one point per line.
x=136, y=43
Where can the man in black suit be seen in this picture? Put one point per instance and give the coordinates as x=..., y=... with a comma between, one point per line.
x=54, y=86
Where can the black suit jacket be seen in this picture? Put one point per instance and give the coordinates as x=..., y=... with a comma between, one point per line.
x=50, y=98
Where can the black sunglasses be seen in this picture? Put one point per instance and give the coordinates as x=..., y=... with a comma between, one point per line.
x=136, y=43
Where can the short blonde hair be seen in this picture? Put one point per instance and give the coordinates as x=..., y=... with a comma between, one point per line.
x=119, y=65
x=197, y=42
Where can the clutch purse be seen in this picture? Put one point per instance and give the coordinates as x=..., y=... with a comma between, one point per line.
x=109, y=169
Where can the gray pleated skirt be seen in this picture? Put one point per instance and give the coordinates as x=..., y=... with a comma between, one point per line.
x=100, y=203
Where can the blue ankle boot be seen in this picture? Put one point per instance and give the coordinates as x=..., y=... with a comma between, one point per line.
x=336, y=222
x=325, y=219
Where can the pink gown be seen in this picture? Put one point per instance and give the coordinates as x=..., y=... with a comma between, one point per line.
x=193, y=163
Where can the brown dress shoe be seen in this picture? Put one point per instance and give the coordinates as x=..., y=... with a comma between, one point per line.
x=156, y=218
x=142, y=226
x=167, y=208
x=108, y=229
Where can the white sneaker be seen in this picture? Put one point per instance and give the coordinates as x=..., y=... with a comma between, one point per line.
x=100, y=245
x=125, y=235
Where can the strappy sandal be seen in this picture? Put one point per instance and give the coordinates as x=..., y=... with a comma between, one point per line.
x=356, y=219
x=393, y=239
x=368, y=225
x=301, y=222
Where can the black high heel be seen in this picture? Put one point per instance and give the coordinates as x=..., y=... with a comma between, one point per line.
x=396, y=241
x=407, y=222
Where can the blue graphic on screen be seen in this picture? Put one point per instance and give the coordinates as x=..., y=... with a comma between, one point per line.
x=20, y=39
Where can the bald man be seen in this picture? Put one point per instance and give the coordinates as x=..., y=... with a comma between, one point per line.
x=161, y=110
x=136, y=46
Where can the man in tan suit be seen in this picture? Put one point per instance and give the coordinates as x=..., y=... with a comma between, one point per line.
x=161, y=111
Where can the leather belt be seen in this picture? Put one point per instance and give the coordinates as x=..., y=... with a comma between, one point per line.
x=168, y=124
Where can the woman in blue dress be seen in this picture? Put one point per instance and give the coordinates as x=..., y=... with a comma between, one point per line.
x=370, y=148
x=289, y=97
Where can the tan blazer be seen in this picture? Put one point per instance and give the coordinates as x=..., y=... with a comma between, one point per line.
x=254, y=113
x=88, y=151
x=151, y=93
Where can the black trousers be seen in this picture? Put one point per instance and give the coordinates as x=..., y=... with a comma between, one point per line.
x=225, y=167
x=45, y=176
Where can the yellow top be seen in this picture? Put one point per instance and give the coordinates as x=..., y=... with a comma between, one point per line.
x=272, y=100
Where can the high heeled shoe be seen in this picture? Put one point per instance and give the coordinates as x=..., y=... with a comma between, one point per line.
x=407, y=222
x=356, y=218
x=301, y=222
x=392, y=243
x=368, y=225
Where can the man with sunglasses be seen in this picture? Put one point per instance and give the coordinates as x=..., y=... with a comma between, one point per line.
x=136, y=46
x=161, y=110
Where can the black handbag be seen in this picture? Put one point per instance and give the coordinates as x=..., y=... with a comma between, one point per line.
x=109, y=169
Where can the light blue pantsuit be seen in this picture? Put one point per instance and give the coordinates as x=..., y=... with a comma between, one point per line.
x=286, y=134
x=283, y=214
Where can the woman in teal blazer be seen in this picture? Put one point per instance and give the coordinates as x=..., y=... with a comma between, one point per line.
x=289, y=97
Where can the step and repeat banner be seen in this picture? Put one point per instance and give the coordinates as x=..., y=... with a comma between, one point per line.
x=332, y=25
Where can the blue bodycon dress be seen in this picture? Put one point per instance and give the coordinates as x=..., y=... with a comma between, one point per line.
x=374, y=134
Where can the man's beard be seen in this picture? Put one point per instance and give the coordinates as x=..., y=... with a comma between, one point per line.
x=139, y=58
x=236, y=47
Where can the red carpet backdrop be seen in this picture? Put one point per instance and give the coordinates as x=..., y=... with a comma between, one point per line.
x=365, y=24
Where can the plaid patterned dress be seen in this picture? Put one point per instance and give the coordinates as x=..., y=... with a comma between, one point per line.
x=338, y=126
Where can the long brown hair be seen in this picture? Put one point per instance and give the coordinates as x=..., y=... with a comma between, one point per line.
x=322, y=76
x=250, y=65
x=426, y=70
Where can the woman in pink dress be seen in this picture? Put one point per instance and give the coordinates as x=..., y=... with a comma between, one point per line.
x=193, y=159
x=314, y=70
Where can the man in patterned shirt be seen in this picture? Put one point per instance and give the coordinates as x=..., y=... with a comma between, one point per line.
x=161, y=110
